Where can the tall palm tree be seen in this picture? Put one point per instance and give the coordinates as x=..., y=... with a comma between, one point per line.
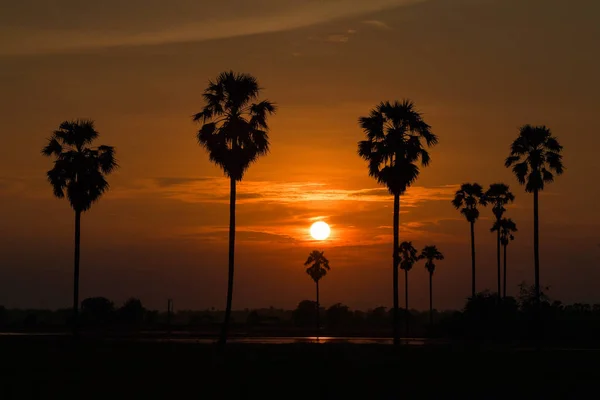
x=407, y=257
x=466, y=200
x=535, y=157
x=79, y=172
x=506, y=227
x=430, y=254
x=318, y=266
x=395, y=133
x=499, y=195
x=234, y=132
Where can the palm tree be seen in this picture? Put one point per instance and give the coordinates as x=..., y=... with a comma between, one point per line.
x=79, y=172
x=318, y=266
x=234, y=132
x=498, y=195
x=430, y=253
x=393, y=146
x=535, y=157
x=466, y=199
x=506, y=227
x=407, y=258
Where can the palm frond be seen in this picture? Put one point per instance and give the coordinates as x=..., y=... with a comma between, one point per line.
x=407, y=255
x=535, y=157
x=467, y=198
x=106, y=159
x=317, y=264
x=235, y=128
x=79, y=171
x=392, y=146
x=53, y=148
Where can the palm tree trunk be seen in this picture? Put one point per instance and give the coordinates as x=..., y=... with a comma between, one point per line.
x=473, y=259
x=225, y=327
x=407, y=313
x=498, y=258
x=536, y=245
x=430, y=299
x=395, y=261
x=536, y=260
x=75, y=321
x=318, y=313
x=504, y=279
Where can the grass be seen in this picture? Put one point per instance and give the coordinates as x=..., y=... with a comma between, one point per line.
x=55, y=368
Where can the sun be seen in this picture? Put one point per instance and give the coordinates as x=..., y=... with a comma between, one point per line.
x=320, y=230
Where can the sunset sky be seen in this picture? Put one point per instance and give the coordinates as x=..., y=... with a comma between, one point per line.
x=477, y=69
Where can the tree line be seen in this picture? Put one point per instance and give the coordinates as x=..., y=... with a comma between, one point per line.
x=482, y=317
x=234, y=131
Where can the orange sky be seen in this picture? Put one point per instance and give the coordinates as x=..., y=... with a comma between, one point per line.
x=478, y=69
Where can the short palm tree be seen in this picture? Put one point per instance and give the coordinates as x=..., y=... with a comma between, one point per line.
x=430, y=254
x=234, y=132
x=467, y=198
x=318, y=266
x=396, y=140
x=499, y=195
x=408, y=258
x=535, y=157
x=506, y=227
x=79, y=172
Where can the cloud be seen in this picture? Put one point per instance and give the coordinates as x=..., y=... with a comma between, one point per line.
x=27, y=29
x=242, y=235
x=215, y=190
x=337, y=38
x=358, y=217
x=413, y=196
x=174, y=181
x=340, y=37
x=378, y=24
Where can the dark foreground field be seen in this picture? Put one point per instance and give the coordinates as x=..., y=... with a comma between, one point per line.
x=53, y=368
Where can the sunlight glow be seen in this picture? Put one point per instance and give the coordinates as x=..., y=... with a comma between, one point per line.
x=320, y=230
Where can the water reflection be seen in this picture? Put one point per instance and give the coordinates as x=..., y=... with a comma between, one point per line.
x=304, y=339
x=162, y=337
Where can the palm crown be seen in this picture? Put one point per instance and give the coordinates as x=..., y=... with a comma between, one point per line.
x=79, y=170
x=507, y=227
x=467, y=198
x=431, y=253
x=317, y=264
x=499, y=195
x=535, y=157
x=234, y=130
x=393, y=146
x=408, y=255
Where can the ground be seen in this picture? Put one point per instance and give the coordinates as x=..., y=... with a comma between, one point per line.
x=55, y=368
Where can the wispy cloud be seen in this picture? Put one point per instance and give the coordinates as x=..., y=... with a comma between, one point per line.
x=243, y=235
x=212, y=190
x=338, y=38
x=22, y=34
x=378, y=24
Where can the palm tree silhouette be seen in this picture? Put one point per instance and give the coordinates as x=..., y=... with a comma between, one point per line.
x=506, y=227
x=498, y=195
x=79, y=171
x=407, y=258
x=535, y=157
x=430, y=253
x=318, y=266
x=466, y=199
x=234, y=133
x=392, y=148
